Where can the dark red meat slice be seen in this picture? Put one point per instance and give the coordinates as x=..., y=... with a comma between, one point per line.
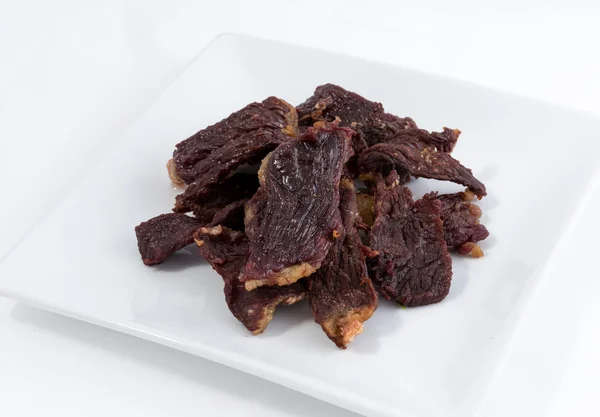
x=366, y=117
x=341, y=295
x=227, y=251
x=247, y=148
x=408, y=153
x=214, y=197
x=162, y=236
x=231, y=216
x=272, y=114
x=443, y=141
x=413, y=266
x=462, y=229
x=292, y=219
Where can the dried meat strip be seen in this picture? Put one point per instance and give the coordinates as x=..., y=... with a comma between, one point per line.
x=443, y=141
x=216, y=168
x=408, y=153
x=370, y=121
x=462, y=229
x=413, y=266
x=292, y=220
x=188, y=161
x=213, y=198
x=341, y=295
x=162, y=236
x=227, y=251
x=231, y=216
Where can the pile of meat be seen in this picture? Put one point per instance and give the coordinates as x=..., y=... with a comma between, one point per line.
x=271, y=201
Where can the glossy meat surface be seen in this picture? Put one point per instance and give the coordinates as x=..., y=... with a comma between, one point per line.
x=292, y=220
x=191, y=155
x=215, y=169
x=368, y=119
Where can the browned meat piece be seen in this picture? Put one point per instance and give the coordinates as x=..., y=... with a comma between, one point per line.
x=413, y=266
x=407, y=153
x=162, y=236
x=442, y=141
x=189, y=158
x=367, y=118
x=214, y=197
x=462, y=229
x=342, y=296
x=248, y=148
x=227, y=251
x=231, y=216
x=293, y=218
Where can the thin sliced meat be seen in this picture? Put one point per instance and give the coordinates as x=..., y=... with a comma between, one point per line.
x=292, y=220
x=222, y=163
x=231, y=216
x=162, y=236
x=227, y=251
x=213, y=198
x=342, y=296
x=272, y=114
x=366, y=117
x=413, y=266
x=462, y=229
x=409, y=154
x=369, y=121
x=443, y=141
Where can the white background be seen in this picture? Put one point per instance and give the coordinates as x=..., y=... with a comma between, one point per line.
x=75, y=74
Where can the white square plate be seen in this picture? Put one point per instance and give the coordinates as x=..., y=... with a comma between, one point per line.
x=537, y=161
